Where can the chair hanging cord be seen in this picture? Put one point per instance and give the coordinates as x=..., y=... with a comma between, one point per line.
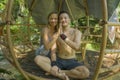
x=87, y=31
x=60, y=6
x=86, y=7
x=10, y=45
x=32, y=5
x=69, y=9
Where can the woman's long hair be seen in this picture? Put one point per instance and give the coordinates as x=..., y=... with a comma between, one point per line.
x=56, y=27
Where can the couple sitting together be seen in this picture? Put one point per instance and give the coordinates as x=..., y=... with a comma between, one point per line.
x=60, y=43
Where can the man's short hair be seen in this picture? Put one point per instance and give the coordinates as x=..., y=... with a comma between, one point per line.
x=61, y=12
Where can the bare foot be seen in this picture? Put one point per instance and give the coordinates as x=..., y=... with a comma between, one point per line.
x=53, y=71
x=59, y=74
x=63, y=76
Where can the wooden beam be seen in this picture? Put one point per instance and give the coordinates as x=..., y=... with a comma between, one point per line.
x=102, y=70
x=112, y=50
x=116, y=24
x=110, y=75
x=10, y=45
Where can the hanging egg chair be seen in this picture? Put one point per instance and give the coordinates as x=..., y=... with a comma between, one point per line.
x=19, y=47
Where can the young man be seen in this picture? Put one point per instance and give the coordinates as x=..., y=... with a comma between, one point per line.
x=68, y=43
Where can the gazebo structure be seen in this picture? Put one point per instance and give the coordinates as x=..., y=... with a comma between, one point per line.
x=39, y=9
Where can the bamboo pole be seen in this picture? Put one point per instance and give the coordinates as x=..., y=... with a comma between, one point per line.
x=109, y=24
x=104, y=40
x=29, y=32
x=8, y=17
x=110, y=75
x=112, y=51
x=35, y=77
x=86, y=32
x=114, y=24
x=110, y=68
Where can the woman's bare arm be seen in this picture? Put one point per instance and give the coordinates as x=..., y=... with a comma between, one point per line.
x=49, y=43
x=53, y=52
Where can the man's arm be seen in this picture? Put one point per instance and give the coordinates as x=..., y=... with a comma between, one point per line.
x=77, y=41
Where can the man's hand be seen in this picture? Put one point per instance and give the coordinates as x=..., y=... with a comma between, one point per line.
x=63, y=36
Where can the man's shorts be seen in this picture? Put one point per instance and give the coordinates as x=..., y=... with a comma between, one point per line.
x=68, y=64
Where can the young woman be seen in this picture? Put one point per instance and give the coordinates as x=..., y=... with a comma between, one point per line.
x=49, y=36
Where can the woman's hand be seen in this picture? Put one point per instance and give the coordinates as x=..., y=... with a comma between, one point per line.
x=56, y=35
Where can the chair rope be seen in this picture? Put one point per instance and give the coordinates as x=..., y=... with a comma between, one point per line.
x=60, y=6
x=69, y=9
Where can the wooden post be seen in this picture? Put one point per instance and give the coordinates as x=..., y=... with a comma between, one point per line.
x=8, y=19
x=104, y=40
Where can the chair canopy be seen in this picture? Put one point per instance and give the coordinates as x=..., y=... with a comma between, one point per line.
x=39, y=10
x=77, y=8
